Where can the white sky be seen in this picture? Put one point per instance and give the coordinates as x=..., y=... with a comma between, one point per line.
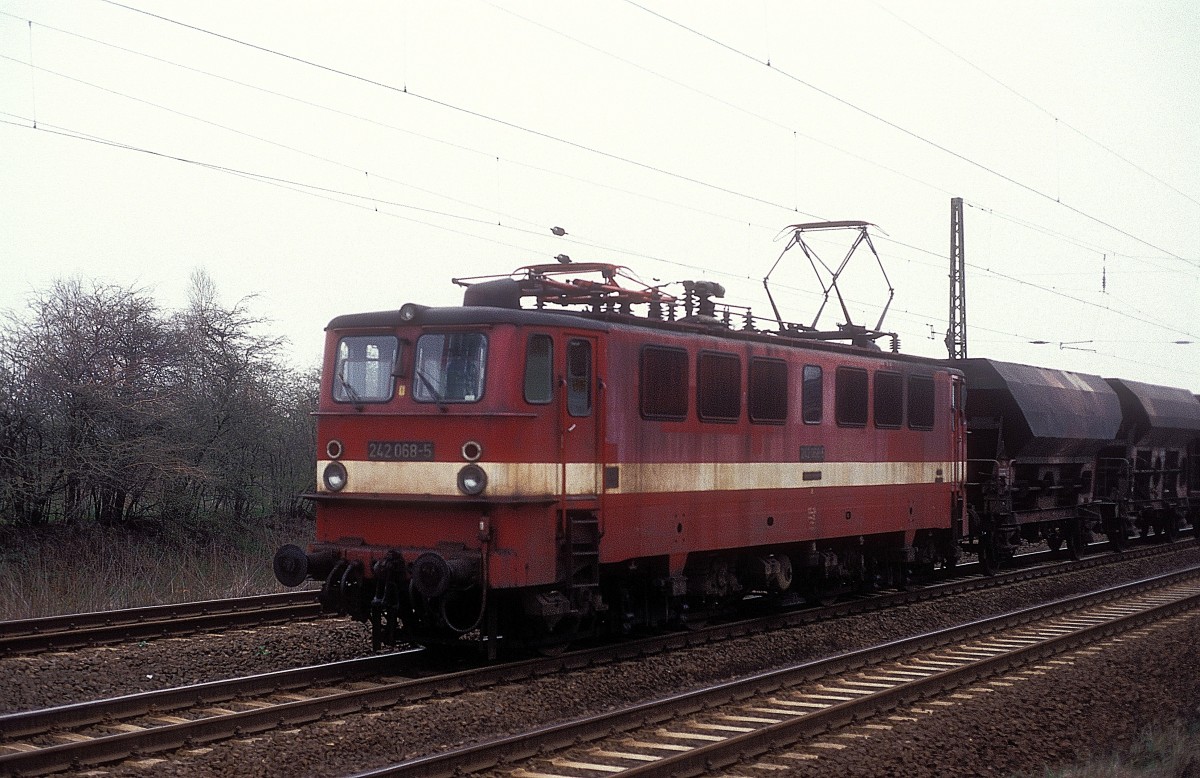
x=656, y=136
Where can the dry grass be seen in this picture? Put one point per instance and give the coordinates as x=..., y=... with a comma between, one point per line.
x=1170, y=751
x=59, y=570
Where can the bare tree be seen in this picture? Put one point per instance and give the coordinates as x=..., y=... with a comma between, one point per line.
x=109, y=409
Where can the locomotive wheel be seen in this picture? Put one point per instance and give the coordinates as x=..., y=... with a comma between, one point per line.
x=821, y=593
x=551, y=650
x=554, y=641
x=695, y=618
x=900, y=575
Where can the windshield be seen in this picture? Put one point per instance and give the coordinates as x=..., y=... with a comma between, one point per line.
x=449, y=367
x=363, y=372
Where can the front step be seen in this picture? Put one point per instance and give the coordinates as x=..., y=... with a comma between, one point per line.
x=583, y=544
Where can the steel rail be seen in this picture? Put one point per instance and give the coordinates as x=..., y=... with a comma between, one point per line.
x=112, y=748
x=786, y=733
x=503, y=752
x=101, y=627
x=29, y=723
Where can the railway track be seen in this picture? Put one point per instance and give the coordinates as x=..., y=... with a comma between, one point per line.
x=713, y=728
x=84, y=734
x=104, y=627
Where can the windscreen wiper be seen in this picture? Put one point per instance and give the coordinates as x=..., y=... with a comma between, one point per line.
x=350, y=392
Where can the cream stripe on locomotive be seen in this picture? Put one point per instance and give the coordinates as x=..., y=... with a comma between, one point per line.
x=531, y=479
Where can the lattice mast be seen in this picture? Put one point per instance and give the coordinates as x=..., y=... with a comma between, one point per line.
x=956, y=335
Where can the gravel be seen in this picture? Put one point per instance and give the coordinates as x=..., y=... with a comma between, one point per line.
x=1098, y=702
x=58, y=678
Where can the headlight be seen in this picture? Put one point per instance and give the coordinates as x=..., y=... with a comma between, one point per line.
x=335, y=476
x=334, y=449
x=472, y=480
x=410, y=311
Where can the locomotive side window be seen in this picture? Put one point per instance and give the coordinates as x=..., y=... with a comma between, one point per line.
x=920, y=402
x=768, y=392
x=718, y=387
x=449, y=367
x=663, y=383
x=850, y=396
x=812, y=395
x=539, y=369
x=889, y=399
x=364, y=367
x=579, y=377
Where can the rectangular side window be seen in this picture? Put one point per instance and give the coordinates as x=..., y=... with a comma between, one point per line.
x=768, y=391
x=579, y=377
x=889, y=399
x=539, y=369
x=850, y=396
x=663, y=383
x=920, y=402
x=718, y=387
x=812, y=395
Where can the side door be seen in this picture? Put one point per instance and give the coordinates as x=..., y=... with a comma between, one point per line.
x=581, y=420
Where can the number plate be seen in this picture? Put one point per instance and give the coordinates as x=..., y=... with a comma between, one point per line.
x=400, y=450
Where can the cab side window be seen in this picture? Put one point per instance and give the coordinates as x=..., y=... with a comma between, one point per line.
x=539, y=369
x=579, y=377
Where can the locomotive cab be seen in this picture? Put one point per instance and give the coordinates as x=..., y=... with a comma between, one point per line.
x=466, y=434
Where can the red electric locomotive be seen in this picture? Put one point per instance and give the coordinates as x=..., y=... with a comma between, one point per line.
x=611, y=456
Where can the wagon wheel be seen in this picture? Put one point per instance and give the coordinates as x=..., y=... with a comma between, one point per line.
x=989, y=555
x=1077, y=539
x=1054, y=540
x=1118, y=539
x=1170, y=525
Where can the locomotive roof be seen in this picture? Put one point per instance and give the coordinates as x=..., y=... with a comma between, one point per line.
x=607, y=321
x=468, y=315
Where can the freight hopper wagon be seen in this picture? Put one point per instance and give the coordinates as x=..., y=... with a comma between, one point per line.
x=1035, y=435
x=1152, y=472
x=561, y=457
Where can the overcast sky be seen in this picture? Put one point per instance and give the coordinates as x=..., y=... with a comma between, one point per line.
x=339, y=157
